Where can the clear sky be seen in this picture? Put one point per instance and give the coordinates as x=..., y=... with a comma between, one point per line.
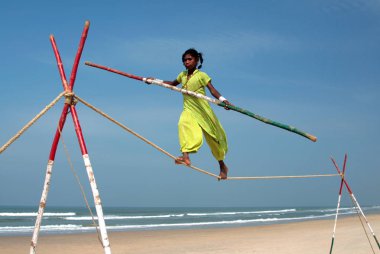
x=310, y=64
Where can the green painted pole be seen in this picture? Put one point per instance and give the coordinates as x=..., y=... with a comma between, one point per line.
x=269, y=121
x=215, y=101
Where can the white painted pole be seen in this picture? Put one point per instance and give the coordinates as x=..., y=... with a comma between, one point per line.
x=41, y=208
x=98, y=205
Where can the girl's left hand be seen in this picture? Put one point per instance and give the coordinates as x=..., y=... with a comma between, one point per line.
x=149, y=80
x=227, y=103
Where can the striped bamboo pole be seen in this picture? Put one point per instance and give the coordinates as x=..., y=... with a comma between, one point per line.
x=338, y=206
x=68, y=104
x=91, y=177
x=356, y=203
x=79, y=54
x=53, y=150
x=215, y=101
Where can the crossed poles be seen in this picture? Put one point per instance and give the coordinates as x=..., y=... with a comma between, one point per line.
x=70, y=105
x=354, y=201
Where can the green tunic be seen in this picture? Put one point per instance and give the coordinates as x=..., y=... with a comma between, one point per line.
x=198, y=117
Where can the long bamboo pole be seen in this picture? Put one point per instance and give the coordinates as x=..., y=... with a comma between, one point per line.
x=91, y=177
x=356, y=203
x=215, y=101
x=338, y=205
x=53, y=149
x=79, y=54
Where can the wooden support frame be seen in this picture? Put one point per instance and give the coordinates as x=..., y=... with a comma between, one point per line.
x=354, y=201
x=70, y=105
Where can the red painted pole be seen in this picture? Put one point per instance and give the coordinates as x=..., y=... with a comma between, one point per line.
x=356, y=203
x=115, y=71
x=78, y=130
x=59, y=63
x=57, y=136
x=79, y=54
x=344, y=180
x=74, y=114
x=67, y=87
x=66, y=106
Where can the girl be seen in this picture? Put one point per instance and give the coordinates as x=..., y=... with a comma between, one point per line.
x=197, y=118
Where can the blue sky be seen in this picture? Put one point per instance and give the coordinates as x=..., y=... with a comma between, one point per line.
x=310, y=64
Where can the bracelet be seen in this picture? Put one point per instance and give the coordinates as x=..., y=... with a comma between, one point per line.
x=221, y=98
x=158, y=80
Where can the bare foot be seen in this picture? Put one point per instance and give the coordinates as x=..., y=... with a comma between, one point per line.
x=182, y=160
x=223, y=170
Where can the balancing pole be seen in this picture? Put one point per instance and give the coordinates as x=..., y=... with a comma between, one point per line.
x=338, y=206
x=215, y=101
x=70, y=104
x=356, y=202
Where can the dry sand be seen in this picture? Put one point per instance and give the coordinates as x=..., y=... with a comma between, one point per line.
x=301, y=237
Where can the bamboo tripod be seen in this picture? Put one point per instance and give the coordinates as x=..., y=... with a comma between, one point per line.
x=354, y=202
x=70, y=105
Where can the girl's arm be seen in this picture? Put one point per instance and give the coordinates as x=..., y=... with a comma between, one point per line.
x=172, y=83
x=216, y=94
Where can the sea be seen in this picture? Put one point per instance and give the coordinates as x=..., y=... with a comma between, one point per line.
x=69, y=220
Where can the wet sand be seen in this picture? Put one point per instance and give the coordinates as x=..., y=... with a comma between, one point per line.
x=300, y=237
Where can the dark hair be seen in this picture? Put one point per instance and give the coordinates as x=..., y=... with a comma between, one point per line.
x=194, y=53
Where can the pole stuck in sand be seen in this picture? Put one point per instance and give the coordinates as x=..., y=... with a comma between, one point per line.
x=338, y=206
x=354, y=200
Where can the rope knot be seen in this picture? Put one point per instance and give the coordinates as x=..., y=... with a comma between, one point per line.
x=70, y=98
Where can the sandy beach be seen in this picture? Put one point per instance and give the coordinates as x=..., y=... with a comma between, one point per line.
x=301, y=237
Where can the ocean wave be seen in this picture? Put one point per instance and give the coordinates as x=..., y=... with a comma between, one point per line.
x=21, y=222
x=210, y=223
x=67, y=227
x=33, y=214
x=282, y=211
x=85, y=228
x=132, y=217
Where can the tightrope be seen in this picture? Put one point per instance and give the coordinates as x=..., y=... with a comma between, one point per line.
x=191, y=166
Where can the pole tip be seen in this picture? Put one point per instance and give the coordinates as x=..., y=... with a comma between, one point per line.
x=311, y=137
x=87, y=23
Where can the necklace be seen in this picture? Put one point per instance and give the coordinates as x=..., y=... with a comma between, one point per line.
x=188, y=77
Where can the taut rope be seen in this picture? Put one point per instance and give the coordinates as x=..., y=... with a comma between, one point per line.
x=277, y=177
x=18, y=134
